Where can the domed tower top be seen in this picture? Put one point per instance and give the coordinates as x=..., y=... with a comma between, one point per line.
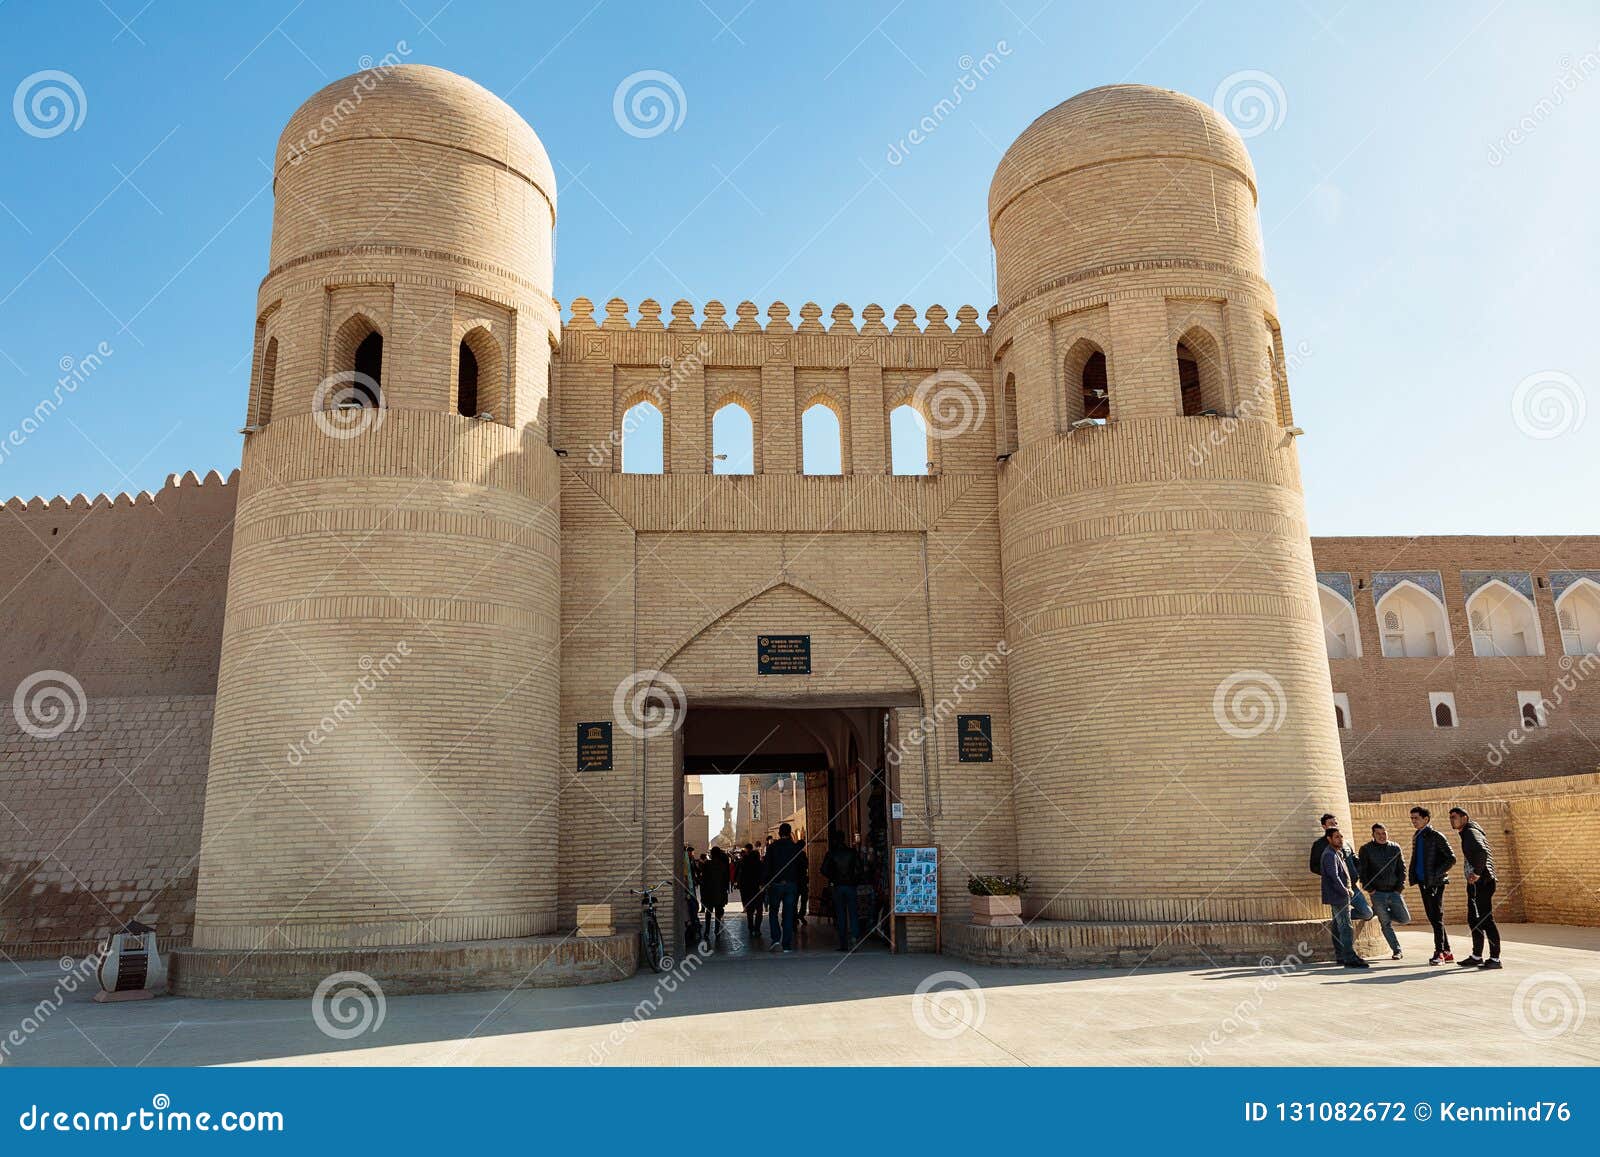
x=1124, y=173
x=418, y=102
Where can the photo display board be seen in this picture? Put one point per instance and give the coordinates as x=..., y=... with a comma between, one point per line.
x=916, y=881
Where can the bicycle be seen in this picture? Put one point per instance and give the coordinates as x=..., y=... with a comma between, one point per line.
x=655, y=948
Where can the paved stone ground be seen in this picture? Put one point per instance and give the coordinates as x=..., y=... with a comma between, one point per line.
x=820, y=1007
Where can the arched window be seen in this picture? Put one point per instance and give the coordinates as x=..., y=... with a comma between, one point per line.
x=1339, y=629
x=480, y=376
x=820, y=451
x=1087, y=384
x=1200, y=378
x=1443, y=716
x=466, y=382
x=1530, y=715
x=1414, y=624
x=1578, y=611
x=369, y=370
x=733, y=441
x=1338, y=716
x=643, y=439
x=269, y=381
x=357, y=378
x=908, y=441
x=1008, y=428
x=1503, y=622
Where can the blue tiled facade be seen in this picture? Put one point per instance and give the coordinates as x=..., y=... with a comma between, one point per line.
x=1339, y=581
x=1385, y=581
x=1518, y=580
x=1560, y=580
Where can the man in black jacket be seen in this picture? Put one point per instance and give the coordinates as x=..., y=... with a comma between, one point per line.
x=1431, y=861
x=843, y=870
x=751, y=893
x=1480, y=890
x=1383, y=870
x=785, y=862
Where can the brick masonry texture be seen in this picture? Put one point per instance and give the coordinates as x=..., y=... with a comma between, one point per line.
x=357, y=668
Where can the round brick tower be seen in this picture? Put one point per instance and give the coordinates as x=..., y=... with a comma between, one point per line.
x=383, y=767
x=1172, y=724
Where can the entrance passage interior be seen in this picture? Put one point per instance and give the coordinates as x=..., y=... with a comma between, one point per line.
x=748, y=770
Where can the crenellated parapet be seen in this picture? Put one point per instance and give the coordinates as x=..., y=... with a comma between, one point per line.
x=212, y=482
x=861, y=366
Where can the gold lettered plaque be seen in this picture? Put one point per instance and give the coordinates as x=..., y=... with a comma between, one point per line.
x=974, y=739
x=783, y=655
x=594, y=746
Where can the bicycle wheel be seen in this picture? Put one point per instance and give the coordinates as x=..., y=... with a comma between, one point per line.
x=655, y=952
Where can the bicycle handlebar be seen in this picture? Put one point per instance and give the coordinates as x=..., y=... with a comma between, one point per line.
x=652, y=888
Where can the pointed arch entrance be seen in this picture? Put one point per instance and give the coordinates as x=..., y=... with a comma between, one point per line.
x=822, y=746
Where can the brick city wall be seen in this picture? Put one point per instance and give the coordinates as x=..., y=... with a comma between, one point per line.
x=1538, y=830
x=122, y=597
x=1391, y=742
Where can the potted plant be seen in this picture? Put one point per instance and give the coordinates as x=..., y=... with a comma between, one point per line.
x=997, y=900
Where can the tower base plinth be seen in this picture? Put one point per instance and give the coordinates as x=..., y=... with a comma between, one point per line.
x=554, y=961
x=1283, y=945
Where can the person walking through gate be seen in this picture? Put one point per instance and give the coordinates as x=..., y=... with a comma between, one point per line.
x=785, y=860
x=1337, y=888
x=1480, y=891
x=1431, y=861
x=752, y=889
x=804, y=899
x=714, y=890
x=842, y=868
x=1383, y=871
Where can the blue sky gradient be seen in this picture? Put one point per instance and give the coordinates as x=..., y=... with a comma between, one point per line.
x=1427, y=180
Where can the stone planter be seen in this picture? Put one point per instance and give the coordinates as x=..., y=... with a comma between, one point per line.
x=997, y=911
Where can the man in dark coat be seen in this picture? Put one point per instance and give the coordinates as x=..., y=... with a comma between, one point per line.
x=844, y=871
x=785, y=862
x=1431, y=861
x=1480, y=890
x=1337, y=888
x=1382, y=868
x=1321, y=845
x=752, y=891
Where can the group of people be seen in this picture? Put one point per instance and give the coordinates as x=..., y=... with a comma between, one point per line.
x=1381, y=867
x=777, y=880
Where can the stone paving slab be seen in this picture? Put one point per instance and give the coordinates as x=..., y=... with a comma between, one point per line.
x=822, y=1007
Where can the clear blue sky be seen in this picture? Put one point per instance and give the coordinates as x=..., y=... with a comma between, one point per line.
x=1423, y=267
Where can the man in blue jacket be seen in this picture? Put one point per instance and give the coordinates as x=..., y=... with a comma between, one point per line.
x=1431, y=861
x=1337, y=888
